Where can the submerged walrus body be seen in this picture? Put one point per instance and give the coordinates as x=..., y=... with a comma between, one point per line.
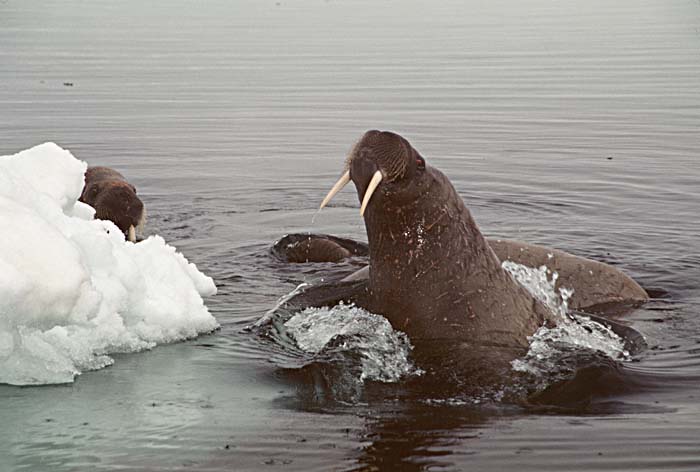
x=431, y=272
x=114, y=199
x=597, y=287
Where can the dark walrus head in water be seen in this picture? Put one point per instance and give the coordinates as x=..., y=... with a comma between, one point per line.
x=432, y=273
x=114, y=199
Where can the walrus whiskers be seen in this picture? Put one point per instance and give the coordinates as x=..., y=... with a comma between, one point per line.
x=342, y=182
x=373, y=184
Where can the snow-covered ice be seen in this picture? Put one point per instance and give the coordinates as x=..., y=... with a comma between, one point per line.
x=72, y=290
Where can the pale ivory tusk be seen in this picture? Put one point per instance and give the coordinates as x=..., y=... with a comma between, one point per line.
x=342, y=182
x=132, y=234
x=376, y=178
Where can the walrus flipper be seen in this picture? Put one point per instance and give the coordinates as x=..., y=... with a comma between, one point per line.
x=328, y=294
x=633, y=339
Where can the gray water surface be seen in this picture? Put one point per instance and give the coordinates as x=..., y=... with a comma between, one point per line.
x=572, y=124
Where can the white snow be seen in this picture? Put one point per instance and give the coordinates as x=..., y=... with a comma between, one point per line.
x=72, y=290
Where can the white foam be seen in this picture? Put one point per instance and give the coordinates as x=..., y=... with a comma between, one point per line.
x=72, y=290
x=384, y=351
x=572, y=331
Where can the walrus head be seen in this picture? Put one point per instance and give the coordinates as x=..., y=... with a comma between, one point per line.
x=117, y=201
x=379, y=157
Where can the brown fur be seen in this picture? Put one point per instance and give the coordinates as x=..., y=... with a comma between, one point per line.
x=113, y=198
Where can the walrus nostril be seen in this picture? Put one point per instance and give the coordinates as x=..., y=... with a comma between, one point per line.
x=387, y=150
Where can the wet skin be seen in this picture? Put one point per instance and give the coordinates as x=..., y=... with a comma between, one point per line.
x=431, y=271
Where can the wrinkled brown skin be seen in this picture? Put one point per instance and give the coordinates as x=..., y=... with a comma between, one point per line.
x=432, y=273
x=113, y=198
x=598, y=287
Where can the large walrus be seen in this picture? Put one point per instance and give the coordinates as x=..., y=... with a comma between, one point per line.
x=431, y=272
x=114, y=199
x=596, y=287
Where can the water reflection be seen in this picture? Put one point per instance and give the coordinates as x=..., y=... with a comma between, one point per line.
x=416, y=437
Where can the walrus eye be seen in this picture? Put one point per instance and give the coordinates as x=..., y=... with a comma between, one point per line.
x=420, y=163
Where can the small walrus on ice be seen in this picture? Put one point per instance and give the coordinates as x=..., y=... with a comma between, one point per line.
x=114, y=199
x=431, y=272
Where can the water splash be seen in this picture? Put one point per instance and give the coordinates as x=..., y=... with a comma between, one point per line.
x=537, y=281
x=346, y=345
x=313, y=218
x=572, y=333
x=271, y=314
x=354, y=332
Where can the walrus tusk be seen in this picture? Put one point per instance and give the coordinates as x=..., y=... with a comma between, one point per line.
x=376, y=178
x=132, y=234
x=342, y=182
